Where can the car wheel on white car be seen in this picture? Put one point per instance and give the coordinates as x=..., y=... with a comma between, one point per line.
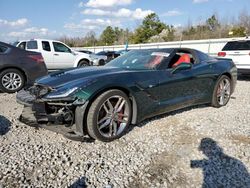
x=101, y=62
x=83, y=63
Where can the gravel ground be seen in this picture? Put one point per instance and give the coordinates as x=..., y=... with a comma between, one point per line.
x=201, y=146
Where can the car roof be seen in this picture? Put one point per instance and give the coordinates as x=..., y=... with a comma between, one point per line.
x=5, y=44
x=242, y=39
x=50, y=40
x=176, y=49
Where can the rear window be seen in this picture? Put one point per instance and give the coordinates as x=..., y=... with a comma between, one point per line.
x=3, y=49
x=46, y=46
x=15, y=43
x=237, y=45
x=32, y=45
x=22, y=45
x=204, y=57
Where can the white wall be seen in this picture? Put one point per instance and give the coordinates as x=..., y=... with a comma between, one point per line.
x=210, y=46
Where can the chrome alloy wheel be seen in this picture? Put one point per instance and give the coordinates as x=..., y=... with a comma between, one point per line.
x=11, y=81
x=224, y=91
x=113, y=116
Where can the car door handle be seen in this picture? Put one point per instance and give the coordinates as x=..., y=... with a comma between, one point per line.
x=56, y=54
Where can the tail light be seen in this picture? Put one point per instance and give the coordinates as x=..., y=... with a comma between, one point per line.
x=37, y=58
x=222, y=54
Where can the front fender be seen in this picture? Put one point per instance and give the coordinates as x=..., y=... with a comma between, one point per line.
x=81, y=57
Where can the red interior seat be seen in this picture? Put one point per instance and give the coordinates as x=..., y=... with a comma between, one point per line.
x=185, y=58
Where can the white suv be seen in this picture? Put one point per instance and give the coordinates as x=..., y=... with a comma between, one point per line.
x=56, y=54
x=239, y=52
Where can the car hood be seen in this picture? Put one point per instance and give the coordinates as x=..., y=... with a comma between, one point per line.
x=76, y=76
x=81, y=54
x=94, y=56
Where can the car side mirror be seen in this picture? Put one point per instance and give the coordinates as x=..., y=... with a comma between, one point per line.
x=182, y=66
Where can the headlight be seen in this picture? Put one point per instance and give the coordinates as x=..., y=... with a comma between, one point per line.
x=61, y=94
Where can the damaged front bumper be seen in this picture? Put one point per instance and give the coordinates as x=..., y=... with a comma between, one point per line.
x=64, y=116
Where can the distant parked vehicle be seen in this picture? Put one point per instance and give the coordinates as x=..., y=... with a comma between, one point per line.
x=97, y=60
x=110, y=55
x=121, y=52
x=19, y=68
x=85, y=51
x=239, y=52
x=56, y=54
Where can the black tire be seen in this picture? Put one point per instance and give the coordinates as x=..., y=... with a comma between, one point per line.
x=20, y=79
x=101, y=62
x=215, y=99
x=95, y=110
x=83, y=63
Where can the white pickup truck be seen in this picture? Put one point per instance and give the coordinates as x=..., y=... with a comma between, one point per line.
x=56, y=54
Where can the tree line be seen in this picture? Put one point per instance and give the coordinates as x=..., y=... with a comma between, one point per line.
x=152, y=29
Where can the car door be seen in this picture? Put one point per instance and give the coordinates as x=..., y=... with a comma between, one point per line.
x=147, y=95
x=183, y=87
x=63, y=57
x=48, y=55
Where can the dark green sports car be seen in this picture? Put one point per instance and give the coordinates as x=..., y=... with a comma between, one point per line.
x=102, y=102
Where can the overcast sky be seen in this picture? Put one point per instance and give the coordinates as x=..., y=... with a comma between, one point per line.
x=25, y=19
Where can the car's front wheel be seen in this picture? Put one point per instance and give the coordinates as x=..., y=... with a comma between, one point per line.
x=11, y=80
x=83, y=63
x=109, y=116
x=222, y=91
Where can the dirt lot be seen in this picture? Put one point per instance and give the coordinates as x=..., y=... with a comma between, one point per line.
x=189, y=148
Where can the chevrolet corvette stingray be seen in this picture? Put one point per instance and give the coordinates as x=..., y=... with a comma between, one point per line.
x=101, y=102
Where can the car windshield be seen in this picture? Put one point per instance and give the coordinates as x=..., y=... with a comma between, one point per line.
x=141, y=59
x=15, y=43
x=101, y=53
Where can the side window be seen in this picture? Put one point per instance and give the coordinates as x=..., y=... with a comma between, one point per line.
x=46, y=46
x=32, y=45
x=3, y=49
x=181, y=57
x=22, y=45
x=102, y=53
x=203, y=57
x=59, y=47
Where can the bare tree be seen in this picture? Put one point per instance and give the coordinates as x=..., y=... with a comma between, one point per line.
x=244, y=20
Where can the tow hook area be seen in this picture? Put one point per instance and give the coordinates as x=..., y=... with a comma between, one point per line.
x=28, y=117
x=55, y=114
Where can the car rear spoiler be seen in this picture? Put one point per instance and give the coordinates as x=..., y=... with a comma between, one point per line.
x=221, y=58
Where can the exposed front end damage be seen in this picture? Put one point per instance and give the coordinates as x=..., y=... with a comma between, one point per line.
x=63, y=115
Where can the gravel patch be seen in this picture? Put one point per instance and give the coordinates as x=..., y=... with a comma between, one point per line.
x=195, y=147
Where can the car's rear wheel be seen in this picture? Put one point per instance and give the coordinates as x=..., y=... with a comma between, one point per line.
x=11, y=80
x=222, y=91
x=83, y=63
x=109, y=116
x=101, y=62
